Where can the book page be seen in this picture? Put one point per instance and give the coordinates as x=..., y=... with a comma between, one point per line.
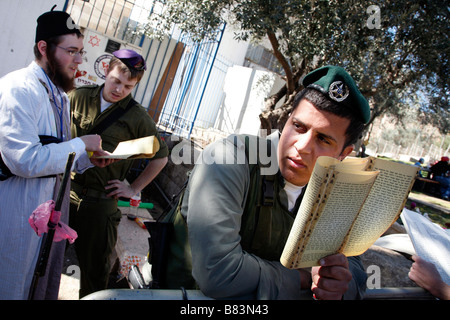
x=383, y=205
x=353, y=164
x=302, y=223
x=344, y=200
x=330, y=204
x=145, y=147
x=430, y=241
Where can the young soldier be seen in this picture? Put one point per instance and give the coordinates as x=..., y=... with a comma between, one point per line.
x=238, y=219
x=94, y=212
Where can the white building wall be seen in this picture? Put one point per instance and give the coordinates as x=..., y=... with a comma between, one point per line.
x=18, y=28
x=245, y=90
x=232, y=49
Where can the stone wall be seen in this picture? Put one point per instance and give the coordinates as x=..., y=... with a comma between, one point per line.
x=172, y=178
x=393, y=266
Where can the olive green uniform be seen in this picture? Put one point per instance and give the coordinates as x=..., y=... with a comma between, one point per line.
x=94, y=216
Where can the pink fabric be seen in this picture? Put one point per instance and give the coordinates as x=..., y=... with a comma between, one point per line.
x=39, y=222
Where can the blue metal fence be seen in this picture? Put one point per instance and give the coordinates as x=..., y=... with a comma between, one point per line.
x=184, y=101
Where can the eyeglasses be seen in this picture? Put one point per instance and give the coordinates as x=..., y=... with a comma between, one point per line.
x=73, y=53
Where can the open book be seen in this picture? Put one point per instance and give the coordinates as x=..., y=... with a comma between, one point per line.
x=430, y=241
x=347, y=206
x=145, y=147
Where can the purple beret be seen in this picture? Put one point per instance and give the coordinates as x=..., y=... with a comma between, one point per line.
x=132, y=59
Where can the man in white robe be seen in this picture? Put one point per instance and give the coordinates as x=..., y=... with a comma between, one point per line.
x=33, y=102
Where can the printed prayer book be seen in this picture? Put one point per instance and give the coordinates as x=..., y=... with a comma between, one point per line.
x=347, y=206
x=145, y=147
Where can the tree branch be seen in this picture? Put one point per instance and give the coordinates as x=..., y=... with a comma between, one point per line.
x=284, y=63
x=272, y=101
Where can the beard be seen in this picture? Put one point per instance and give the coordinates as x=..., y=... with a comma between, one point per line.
x=55, y=73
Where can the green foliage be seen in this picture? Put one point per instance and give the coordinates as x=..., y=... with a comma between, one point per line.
x=400, y=60
x=435, y=215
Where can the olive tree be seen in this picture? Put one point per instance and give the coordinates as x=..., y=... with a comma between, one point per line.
x=397, y=51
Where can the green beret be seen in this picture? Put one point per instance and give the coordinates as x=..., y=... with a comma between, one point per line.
x=335, y=83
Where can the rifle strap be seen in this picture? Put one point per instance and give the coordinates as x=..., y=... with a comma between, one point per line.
x=112, y=117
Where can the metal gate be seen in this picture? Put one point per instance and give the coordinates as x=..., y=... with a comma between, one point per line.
x=178, y=68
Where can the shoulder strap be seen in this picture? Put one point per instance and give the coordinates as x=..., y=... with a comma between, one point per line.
x=257, y=218
x=266, y=197
x=113, y=116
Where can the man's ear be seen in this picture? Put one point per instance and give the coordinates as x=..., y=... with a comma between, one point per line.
x=42, y=47
x=347, y=150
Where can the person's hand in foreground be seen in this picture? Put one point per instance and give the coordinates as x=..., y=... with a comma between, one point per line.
x=425, y=274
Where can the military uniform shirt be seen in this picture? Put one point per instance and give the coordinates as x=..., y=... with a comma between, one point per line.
x=134, y=124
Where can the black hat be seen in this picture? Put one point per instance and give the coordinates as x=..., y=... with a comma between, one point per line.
x=53, y=24
x=335, y=83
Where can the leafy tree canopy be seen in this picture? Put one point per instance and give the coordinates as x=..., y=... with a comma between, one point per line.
x=396, y=50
